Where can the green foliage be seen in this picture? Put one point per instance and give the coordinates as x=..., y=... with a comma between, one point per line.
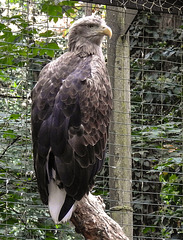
x=156, y=52
x=56, y=11
x=17, y=38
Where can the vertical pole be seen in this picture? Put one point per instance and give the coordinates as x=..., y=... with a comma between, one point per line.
x=88, y=9
x=120, y=171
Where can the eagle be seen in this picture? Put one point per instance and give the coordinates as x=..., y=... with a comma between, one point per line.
x=71, y=108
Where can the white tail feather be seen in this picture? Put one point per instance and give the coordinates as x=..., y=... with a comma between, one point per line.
x=55, y=202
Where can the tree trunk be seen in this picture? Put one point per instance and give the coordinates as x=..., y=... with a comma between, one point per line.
x=93, y=223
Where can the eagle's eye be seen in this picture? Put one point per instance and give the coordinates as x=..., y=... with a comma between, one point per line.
x=91, y=25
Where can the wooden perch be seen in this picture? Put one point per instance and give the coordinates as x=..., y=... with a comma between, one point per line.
x=93, y=223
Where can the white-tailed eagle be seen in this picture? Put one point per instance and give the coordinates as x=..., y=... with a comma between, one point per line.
x=71, y=107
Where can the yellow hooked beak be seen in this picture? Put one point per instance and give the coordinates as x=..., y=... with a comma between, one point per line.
x=106, y=31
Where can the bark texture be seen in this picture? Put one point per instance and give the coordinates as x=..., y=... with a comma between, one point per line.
x=93, y=223
x=118, y=63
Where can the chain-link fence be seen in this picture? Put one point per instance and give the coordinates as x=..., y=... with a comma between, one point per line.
x=142, y=181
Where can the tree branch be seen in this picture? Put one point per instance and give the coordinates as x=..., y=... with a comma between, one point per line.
x=3, y=153
x=93, y=223
x=5, y=150
x=11, y=96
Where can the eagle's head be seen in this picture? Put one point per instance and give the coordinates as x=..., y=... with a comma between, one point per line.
x=87, y=32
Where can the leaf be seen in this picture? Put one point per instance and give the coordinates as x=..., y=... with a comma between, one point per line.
x=9, y=134
x=146, y=163
x=2, y=26
x=149, y=229
x=52, y=45
x=14, y=116
x=53, y=11
x=48, y=33
x=50, y=49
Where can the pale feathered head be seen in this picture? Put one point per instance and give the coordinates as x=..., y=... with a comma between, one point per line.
x=87, y=33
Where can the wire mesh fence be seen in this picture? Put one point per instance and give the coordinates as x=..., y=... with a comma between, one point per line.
x=157, y=144
x=145, y=62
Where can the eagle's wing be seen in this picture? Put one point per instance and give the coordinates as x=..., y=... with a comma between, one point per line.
x=70, y=116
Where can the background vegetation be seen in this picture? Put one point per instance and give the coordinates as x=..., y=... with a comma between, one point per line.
x=30, y=36
x=157, y=121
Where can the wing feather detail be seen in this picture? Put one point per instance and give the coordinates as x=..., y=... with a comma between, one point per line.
x=72, y=103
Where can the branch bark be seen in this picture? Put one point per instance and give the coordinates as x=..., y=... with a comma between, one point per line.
x=93, y=223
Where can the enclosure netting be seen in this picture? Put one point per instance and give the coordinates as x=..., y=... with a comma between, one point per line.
x=32, y=33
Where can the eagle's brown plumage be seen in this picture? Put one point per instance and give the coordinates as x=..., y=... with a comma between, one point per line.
x=71, y=106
